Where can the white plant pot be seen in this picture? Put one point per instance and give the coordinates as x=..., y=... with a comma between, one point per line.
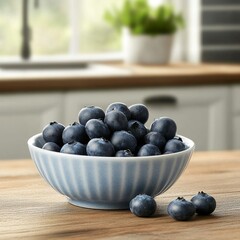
x=147, y=49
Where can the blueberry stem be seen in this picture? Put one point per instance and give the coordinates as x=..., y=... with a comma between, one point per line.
x=135, y=125
x=104, y=139
x=181, y=198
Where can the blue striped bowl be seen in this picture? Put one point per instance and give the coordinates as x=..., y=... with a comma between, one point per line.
x=107, y=182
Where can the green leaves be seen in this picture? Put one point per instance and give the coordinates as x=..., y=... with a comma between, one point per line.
x=141, y=18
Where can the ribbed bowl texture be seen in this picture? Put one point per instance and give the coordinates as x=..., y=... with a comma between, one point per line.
x=108, y=182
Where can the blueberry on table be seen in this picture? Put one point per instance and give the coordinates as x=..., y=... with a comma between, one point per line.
x=96, y=128
x=116, y=120
x=74, y=132
x=100, y=147
x=156, y=139
x=122, y=140
x=174, y=145
x=143, y=205
x=181, y=210
x=166, y=126
x=137, y=129
x=148, y=150
x=74, y=148
x=53, y=132
x=51, y=146
x=204, y=203
x=124, y=153
x=119, y=106
x=139, y=112
x=90, y=112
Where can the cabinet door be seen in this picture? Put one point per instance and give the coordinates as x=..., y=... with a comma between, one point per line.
x=23, y=115
x=236, y=117
x=200, y=112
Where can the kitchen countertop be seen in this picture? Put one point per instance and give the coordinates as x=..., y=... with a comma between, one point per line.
x=31, y=209
x=127, y=76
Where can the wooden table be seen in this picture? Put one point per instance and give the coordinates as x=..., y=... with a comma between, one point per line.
x=30, y=209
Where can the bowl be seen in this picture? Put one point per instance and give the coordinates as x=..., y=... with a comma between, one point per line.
x=108, y=182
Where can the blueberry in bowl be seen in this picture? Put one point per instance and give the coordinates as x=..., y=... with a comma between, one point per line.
x=107, y=172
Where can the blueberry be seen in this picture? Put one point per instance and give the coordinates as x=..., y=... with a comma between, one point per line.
x=122, y=140
x=90, y=112
x=156, y=139
x=148, y=150
x=181, y=209
x=138, y=148
x=75, y=132
x=139, y=112
x=53, y=133
x=116, y=120
x=174, y=145
x=96, y=128
x=143, y=205
x=74, y=148
x=51, y=146
x=124, y=153
x=166, y=126
x=100, y=147
x=204, y=203
x=137, y=129
x=122, y=107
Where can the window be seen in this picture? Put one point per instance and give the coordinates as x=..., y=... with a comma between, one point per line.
x=77, y=27
x=63, y=27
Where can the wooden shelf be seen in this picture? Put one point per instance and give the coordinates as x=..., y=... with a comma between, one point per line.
x=137, y=76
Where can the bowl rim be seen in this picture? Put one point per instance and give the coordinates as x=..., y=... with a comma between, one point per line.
x=190, y=143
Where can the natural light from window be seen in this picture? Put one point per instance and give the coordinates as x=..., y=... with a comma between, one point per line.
x=77, y=28
x=66, y=27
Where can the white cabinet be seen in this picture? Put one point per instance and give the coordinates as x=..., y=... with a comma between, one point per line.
x=210, y=115
x=21, y=116
x=235, y=131
x=200, y=112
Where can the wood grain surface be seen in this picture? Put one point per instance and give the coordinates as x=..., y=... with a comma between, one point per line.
x=31, y=209
x=136, y=76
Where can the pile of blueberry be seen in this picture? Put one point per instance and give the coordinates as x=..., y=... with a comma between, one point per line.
x=119, y=131
x=179, y=209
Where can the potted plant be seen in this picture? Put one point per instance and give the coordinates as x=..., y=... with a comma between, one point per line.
x=147, y=31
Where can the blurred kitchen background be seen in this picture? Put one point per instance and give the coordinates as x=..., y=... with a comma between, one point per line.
x=75, y=29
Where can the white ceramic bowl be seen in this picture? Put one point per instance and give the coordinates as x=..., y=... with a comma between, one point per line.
x=108, y=182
